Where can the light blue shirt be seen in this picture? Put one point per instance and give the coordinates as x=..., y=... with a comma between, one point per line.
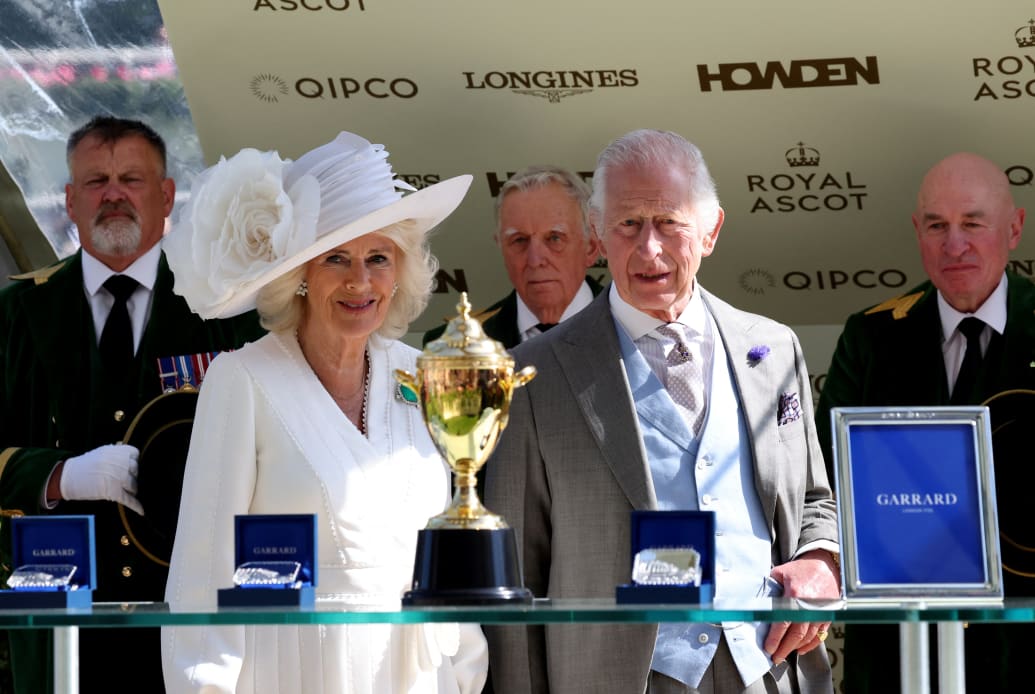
x=711, y=472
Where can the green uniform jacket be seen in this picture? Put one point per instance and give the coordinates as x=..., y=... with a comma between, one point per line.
x=55, y=405
x=891, y=355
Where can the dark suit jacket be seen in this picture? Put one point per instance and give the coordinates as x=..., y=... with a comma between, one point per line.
x=56, y=403
x=501, y=324
x=888, y=357
x=571, y=466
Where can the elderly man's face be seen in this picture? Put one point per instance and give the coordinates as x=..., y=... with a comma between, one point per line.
x=653, y=237
x=545, y=249
x=966, y=226
x=118, y=198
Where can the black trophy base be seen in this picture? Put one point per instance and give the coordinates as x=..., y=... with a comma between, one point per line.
x=466, y=567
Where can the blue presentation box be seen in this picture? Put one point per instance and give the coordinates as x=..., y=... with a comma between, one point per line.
x=262, y=540
x=659, y=529
x=43, y=542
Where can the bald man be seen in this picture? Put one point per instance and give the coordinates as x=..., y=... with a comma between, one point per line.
x=909, y=351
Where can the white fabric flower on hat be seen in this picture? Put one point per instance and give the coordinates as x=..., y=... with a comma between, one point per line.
x=239, y=223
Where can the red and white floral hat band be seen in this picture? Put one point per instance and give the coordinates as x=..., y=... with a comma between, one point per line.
x=255, y=217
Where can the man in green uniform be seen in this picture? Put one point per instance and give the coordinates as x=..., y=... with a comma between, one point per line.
x=913, y=351
x=78, y=359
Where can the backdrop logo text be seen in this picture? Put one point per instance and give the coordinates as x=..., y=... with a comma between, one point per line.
x=552, y=85
x=795, y=74
x=805, y=188
x=1009, y=76
x=270, y=88
x=308, y=5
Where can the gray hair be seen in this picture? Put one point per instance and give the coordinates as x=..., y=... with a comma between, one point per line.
x=280, y=308
x=540, y=176
x=657, y=148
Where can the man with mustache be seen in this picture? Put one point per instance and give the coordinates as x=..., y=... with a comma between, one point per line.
x=80, y=344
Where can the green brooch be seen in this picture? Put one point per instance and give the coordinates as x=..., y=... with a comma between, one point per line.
x=406, y=394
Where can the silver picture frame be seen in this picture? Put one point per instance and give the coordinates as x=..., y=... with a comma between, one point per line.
x=916, y=505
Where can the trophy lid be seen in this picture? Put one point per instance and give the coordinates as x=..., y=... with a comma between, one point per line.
x=464, y=338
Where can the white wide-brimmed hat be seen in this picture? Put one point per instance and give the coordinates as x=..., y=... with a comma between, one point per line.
x=255, y=217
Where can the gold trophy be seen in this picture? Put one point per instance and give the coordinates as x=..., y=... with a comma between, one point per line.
x=464, y=383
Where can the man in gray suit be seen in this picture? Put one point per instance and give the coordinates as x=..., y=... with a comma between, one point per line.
x=612, y=424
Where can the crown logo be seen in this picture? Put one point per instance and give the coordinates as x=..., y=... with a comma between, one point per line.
x=1026, y=35
x=802, y=155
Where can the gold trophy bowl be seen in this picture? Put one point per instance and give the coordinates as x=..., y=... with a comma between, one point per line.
x=464, y=384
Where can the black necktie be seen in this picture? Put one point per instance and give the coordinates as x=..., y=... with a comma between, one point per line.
x=966, y=382
x=117, y=337
x=543, y=327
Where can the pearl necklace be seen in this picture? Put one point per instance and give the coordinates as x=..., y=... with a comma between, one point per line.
x=344, y=401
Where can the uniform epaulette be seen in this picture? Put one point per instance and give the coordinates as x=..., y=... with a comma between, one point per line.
x=41, y=275
x=899, y=306
x=483, y=316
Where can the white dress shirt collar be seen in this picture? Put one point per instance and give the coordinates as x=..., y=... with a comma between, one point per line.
x=992, y=312
x=527, y=321
x=144, y=270
x=636, y=323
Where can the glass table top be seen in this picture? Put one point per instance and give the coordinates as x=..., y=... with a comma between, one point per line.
x=540, y=612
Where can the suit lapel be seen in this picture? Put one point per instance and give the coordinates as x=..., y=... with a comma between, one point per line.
x=72, y=360
x=601, y=390
x=502, y=325
x=923, y=374
x=63, y=295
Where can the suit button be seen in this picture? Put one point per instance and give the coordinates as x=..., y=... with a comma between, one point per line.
x=124, y=541
x=706, y=499
x=119, y=415
x=127, y=571
x=702, y=638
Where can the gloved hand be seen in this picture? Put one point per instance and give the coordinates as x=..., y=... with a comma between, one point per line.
x=108, y=473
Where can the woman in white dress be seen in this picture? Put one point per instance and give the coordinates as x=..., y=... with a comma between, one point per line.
x=309, y=419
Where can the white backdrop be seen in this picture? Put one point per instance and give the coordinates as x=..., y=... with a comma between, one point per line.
x=817, y=119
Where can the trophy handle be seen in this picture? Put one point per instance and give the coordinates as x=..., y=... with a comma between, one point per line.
x=523, y=376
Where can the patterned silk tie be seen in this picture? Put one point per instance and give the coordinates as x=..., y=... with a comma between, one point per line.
x=117, y=337
x=683, y=377
x=963, y=393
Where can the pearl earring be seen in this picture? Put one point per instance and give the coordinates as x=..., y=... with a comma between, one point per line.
x=395, y=288
x=303, y=289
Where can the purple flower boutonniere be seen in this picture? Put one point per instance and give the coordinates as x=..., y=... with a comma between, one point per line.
x=757, y=354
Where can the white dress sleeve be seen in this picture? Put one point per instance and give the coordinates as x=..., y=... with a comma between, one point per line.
x=218, y=484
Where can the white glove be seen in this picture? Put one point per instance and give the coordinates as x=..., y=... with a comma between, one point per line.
x=107, y=473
